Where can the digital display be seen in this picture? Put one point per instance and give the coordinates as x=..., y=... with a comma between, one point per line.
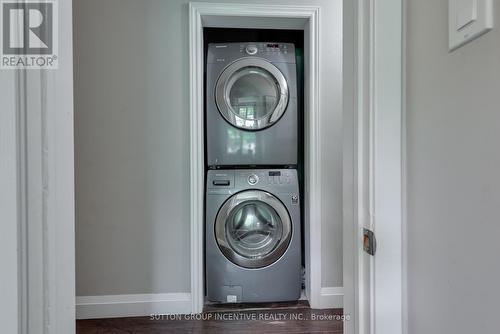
x=274, y=173
x=273, y=45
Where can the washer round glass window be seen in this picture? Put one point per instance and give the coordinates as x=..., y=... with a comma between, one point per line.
x=251, y=94
x=253, y=229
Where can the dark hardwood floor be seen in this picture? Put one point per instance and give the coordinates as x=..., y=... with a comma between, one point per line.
x=239, y=318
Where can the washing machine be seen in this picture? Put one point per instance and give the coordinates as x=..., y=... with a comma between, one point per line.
x=251, y=104
x=253, y=251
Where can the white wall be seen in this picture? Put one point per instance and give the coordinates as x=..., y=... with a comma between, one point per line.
x=132, y=163
x=453, y=176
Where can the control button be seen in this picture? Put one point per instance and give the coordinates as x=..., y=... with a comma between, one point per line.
x=253, y=179
x=251, y=49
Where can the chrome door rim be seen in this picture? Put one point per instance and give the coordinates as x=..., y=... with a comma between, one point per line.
x=222, y=94
x=226, y=210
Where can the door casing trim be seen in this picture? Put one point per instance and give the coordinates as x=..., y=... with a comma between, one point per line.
x=256, y=16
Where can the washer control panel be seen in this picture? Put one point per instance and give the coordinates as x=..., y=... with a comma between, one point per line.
x=275, y=181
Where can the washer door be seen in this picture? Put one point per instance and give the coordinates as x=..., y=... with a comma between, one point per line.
x=253, y=229
x=251, y=94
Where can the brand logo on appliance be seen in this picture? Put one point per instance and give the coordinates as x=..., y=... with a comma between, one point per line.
x=29, y=34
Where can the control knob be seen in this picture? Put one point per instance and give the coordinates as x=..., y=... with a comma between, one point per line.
x=251, y=49
x=253, y=179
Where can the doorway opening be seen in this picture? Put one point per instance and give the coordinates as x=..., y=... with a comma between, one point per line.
x=305, y=20
x=241, y=141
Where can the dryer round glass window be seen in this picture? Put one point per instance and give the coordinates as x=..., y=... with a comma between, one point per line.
x=253, y=229
x=251, y=94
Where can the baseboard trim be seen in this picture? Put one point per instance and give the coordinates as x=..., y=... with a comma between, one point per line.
x=332, y=297
x=135, y=305
x=117, y=306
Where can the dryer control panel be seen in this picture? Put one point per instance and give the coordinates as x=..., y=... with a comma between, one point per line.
x=264, y=48
x=228, y=52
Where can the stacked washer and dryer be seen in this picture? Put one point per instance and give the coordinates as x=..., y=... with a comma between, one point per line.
x=253, y=223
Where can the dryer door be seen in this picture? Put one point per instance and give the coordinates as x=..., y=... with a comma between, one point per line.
x=253, y=229
x=251, y=94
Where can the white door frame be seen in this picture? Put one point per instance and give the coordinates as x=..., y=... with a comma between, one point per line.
x=256, y=16
x=9, y=201
x=387, y=161
x=37, y=126
x=379, y=191
x=44, y=187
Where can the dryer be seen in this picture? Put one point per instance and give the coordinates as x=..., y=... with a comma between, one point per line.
x=251, y=104
x=252, y=236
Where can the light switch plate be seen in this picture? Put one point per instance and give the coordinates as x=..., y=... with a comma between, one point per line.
x=468, y=19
